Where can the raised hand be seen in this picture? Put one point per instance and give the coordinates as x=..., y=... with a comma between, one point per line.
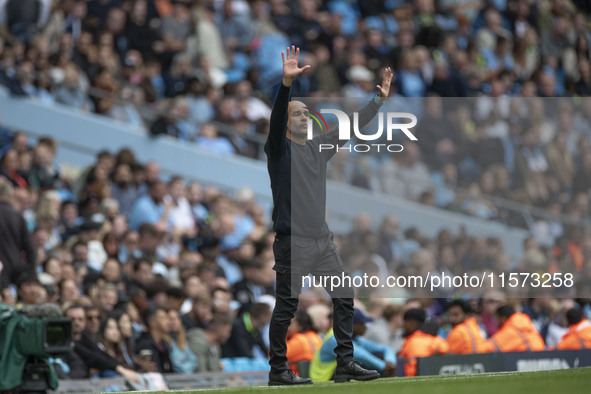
x=387, y=80
x=290, y=65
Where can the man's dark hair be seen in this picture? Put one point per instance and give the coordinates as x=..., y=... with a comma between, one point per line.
x=90, y=308
x=68, y=202
x=148, y=228
x=73, y=305
x=104, y=154
x=91, y=279
x=27, y=277
x=17, y=134
x=176, y=292
x=505, y=311
x=137, y=263
x=159, y=285
x=429, y=327
x=574, y=316
x=305, y=321
x=175, y=179
x=415, y=314
x=153, y=185
x=219, y=320
x=150, y=314
x=259, y=309
x=79, y=243
x=466, y=308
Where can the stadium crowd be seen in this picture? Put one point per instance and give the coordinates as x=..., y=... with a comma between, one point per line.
x=209, y=70
x=176, y=277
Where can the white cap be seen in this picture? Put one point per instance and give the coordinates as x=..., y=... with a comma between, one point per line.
x=360, y=73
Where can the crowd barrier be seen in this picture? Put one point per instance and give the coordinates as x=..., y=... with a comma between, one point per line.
x=204, y=380
x=462, y=364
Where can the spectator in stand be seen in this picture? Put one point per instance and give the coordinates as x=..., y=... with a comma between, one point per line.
x=152, y=344
x=68, y=291
x=29, y=290
x=387, y=330
x=579, y=332
x=180, y=218
x=516, y=333
x=107, y=298
x=17, y=252
x=93, y=322
x=151, y=208
x=44, y=175
x=86, y=354
x=183, y=359
x=246, y=339
x=200, y=313
x=109, y=338
x=206, y=344
x=123, y=189
x=9, y=168
x=208, y=139
x=420, y=341
x=302, y=344
x=465, y=336
x=442, y=140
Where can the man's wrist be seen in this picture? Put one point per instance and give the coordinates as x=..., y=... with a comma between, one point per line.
x=378, y=99
x=287, y=81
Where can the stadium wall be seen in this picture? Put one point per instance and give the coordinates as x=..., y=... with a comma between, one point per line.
x=462, y=364
x=81, y=135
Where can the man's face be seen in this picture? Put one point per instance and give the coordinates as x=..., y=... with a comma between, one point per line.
x=30, y=293
x=157, y=192
x=80, y=253
x=262, y=321
x=359, y=329
x=177, y=190
x=203, y=311
x=297, y=122
x=93, y=320
x=500, y=320
x=20, y=143
x=144, y=275
x=410, y=326
x=78, y=320
x=131, y=241
x=456, y=315
x=163, y=321
x=224, y=333
x=108, y=300
x=221, y=301
x=194, y=286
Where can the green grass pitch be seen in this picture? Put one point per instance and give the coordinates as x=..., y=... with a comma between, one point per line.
x=571, y=381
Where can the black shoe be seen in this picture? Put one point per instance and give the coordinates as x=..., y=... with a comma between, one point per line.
x=286, y=378
x=354, y=371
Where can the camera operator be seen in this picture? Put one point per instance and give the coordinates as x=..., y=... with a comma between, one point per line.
x=86, y=354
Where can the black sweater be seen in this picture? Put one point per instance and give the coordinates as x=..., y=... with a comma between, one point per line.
x=17, y=252
x=304, y=167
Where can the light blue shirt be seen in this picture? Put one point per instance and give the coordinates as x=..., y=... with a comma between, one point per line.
x=364, y=352
x=145, y=210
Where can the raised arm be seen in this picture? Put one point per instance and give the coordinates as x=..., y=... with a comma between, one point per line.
x=279, y=115
x=366, y=113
